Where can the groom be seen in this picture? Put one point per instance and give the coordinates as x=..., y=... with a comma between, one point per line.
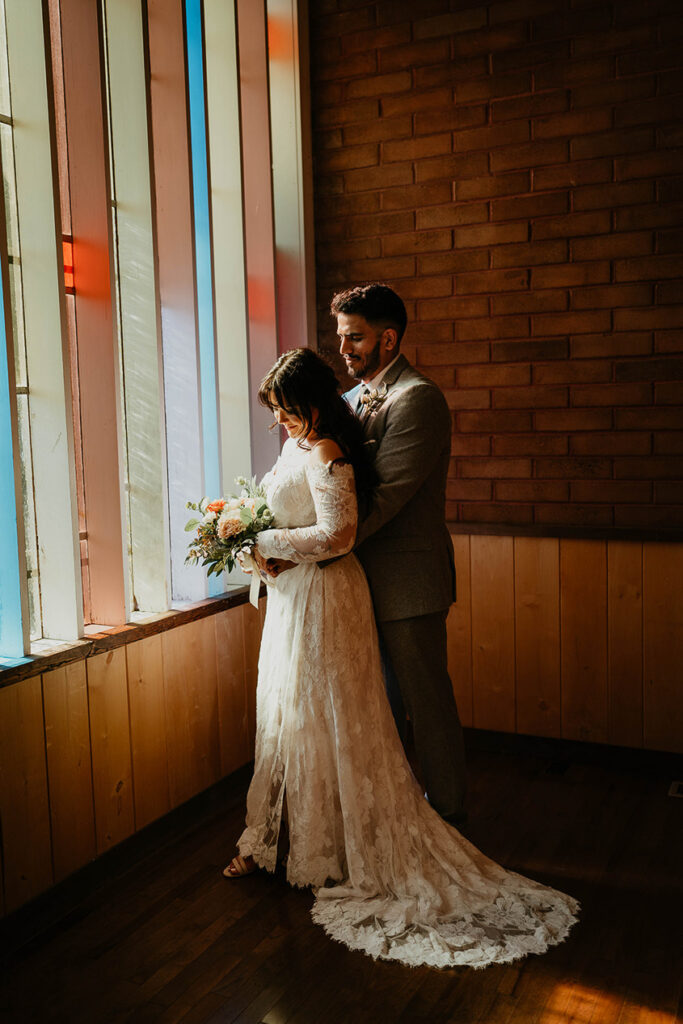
x=403, y=542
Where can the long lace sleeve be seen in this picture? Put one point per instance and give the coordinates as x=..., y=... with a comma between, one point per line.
x=333, y=533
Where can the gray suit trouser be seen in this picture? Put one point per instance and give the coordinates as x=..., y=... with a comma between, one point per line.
x=416, y=673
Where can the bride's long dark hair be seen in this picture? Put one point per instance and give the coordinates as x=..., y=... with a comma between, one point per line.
x=302, y=383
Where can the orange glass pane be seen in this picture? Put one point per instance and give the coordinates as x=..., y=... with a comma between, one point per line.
x=68, y=257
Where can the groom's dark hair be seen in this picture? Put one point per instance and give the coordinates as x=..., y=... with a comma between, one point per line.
x=377, y=303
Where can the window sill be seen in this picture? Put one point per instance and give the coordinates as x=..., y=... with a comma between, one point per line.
x=51, y=654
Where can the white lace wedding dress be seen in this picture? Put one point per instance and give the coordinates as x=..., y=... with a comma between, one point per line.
x=391, y=877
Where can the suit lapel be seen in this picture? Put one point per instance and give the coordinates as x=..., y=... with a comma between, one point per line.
x=373, y=424
x=392, y=375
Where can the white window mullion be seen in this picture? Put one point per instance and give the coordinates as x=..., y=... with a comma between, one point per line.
x=139, y=318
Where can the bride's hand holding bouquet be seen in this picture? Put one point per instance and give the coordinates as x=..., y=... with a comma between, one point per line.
x=226, y=530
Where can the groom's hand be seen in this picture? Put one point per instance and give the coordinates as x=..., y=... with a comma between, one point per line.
x=261, y=562
x=274, y=566
x=271, y=566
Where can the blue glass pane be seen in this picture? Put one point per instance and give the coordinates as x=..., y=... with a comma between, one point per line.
x=11, y=631
x=202, y=232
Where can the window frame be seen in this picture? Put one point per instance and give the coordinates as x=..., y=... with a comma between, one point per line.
x=73, y=159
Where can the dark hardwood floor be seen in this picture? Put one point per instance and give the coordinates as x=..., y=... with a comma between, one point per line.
x=153, y=932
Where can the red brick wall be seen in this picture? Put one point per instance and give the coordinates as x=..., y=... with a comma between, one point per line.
x=514, y=170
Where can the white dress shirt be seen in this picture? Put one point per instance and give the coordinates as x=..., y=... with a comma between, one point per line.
x=378, y=378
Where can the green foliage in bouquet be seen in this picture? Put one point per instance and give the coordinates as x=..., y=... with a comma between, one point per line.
x=227, y=526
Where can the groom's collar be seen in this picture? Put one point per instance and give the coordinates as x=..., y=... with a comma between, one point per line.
x=394, y=370
x=389, y=376
x=375, y=382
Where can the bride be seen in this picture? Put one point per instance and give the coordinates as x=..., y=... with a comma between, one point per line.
x=390, y=877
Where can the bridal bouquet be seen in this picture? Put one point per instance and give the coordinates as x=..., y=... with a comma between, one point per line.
x=227, y=528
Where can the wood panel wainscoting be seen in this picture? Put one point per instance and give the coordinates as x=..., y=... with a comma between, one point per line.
x=94, y=750
x=567, y=638
x=578, y=639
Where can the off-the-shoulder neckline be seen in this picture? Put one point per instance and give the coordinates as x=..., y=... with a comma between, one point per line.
x=340, y=461
x=292, y=442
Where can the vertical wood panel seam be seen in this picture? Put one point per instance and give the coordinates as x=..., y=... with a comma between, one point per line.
x=92, y=767
x=514, y=631
x=130, y=744
x=560, y=575
x=642, y=645
x=558, y=543
x=171, y=804
x=609, y=566
x=606, y=622
x=47, y=774
x=471, y=646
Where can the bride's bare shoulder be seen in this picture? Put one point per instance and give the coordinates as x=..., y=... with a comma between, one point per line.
x=325, y=450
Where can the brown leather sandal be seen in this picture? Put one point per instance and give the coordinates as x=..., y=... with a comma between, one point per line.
x=240, y=866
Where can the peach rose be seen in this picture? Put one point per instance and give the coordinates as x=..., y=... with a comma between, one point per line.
x=216, y=506
x=229, y=526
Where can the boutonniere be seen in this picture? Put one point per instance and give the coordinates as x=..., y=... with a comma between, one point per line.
x=372, y=400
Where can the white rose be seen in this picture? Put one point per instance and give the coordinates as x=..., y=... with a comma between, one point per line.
x=232, y=514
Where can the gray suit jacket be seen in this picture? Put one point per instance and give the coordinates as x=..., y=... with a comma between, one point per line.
x=403, y=542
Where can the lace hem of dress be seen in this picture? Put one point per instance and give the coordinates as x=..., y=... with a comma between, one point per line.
x=307, y=874
x=250, y=844
x=514, y=926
